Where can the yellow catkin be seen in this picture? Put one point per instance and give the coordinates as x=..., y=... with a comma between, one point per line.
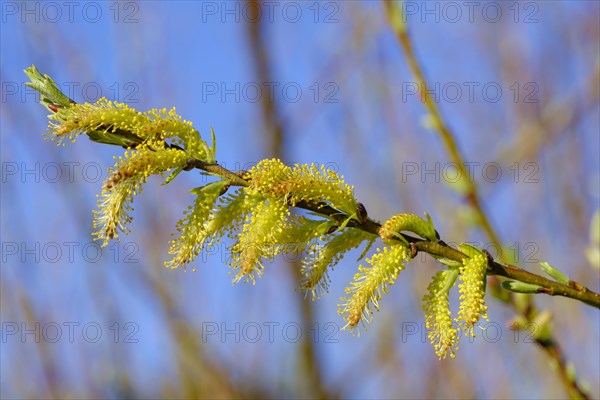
x=442, y=334
x=125, y=181
x=257, y=239
x=472, y=292
x=192, y=228
x=371, y=282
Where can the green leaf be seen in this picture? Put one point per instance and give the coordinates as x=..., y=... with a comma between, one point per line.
x=521, y=287
x=450, y=263
x=554, y=273
x=408, y=222
x=366, y=250
x=209, y=189
x=212, y=153
x=50, y=94
x=450, y=280
x=118, y=138
x=172, y=176
x=346, y=221
x=470, y=250
x=430, y=228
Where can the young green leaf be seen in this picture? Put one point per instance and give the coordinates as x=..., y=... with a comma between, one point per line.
x=554, y=273
x=408, y=222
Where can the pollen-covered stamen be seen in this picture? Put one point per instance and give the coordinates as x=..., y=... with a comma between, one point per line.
x=309, y=183
x=125, y=182
x=472, y=292
x=117, y=177
x=193, y=229
x=323, y=256
x=259, y=239
x=371, y=282
x=442, y=334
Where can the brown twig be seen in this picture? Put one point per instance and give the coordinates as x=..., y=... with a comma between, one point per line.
x=275, y=133
x=440, y=249
x=553, y=288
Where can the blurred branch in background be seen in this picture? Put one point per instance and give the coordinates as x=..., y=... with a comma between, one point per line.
x=100, y=125
x=172, y=63
x=309, y=379
x=527, y=310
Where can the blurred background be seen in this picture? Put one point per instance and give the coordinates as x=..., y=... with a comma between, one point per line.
x=324, y=82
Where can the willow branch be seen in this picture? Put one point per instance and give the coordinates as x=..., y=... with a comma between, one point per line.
x=583, y=294
x=471, y=193
x=573, y=290
x=275, y=134
x=234, y=179
x=438, y=250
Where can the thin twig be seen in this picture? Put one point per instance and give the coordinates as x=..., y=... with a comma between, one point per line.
x=275, y=134
x=550, y=346
x=439, y=250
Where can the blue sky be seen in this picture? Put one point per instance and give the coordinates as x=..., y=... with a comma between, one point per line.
x=343, y=87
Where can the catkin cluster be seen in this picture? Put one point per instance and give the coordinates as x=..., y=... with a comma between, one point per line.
x=255, y=216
